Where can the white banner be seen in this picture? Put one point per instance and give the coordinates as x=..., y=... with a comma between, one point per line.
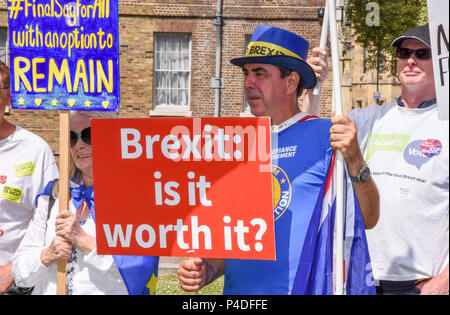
x=439, y=35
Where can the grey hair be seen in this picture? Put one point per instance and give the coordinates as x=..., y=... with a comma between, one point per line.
x=75, y=173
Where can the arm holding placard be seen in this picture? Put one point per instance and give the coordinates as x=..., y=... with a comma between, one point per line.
x=68, y=228
x=36, y=258
x=68, y=234
x=195, y=273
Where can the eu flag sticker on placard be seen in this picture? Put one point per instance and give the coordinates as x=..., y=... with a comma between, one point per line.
x=64, y=54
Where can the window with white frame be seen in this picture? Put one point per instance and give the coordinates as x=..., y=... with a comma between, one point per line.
x=4, y=44
x=172, y=71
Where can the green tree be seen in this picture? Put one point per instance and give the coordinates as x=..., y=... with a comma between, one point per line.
x=377, y=23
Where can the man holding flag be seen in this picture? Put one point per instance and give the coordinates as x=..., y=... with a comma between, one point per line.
x=275, y=75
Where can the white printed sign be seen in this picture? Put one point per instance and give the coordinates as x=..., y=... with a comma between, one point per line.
x=439, y=35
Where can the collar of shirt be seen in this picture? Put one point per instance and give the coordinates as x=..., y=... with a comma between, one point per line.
x=286, y=124
x=424, y=104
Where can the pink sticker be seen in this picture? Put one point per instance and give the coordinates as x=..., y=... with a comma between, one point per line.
x=431, y=147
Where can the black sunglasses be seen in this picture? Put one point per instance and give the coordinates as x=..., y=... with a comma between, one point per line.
x=422, y=53
x=85, y=136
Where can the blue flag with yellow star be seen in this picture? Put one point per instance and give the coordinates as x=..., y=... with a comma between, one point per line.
x=140, y=273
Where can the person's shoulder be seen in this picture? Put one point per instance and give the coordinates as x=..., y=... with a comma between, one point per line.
x=319, y=123
x=374, y=108
x=32, y=140
x=315, y=128
x=371, y=112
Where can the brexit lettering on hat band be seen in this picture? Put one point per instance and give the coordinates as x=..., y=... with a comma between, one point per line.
x=279, y=47
x=264, y=49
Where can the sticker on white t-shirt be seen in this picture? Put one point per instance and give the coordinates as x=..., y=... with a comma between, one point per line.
x=404, y=193
x=24, y=169
x=11, y=193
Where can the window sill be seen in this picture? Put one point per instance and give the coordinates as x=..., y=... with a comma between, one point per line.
x=246, y=114
x=170, y=113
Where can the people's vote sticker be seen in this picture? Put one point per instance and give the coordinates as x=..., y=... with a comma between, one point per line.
x=431, y=147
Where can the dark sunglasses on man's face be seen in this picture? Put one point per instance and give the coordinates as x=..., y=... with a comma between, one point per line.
x=422, y=53
x=85, y=136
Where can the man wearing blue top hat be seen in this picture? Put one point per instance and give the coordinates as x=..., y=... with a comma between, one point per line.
x=276, y=73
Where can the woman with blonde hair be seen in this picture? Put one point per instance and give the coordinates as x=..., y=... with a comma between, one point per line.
x=70, y=235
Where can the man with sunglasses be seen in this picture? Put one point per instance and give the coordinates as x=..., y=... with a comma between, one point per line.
x=406, y=147
x=26, y=166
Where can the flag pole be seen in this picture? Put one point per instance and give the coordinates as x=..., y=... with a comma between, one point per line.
x=323, y=41
x=339, y=157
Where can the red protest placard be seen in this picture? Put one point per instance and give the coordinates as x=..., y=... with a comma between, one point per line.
x=184, y=187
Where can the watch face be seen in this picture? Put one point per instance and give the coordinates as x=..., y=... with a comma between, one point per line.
x=365, y=174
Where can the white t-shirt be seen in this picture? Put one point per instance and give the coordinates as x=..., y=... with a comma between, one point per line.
x=407, y=151
x=26, y=166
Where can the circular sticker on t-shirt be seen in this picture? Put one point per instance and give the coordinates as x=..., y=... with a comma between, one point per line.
x=431, y=147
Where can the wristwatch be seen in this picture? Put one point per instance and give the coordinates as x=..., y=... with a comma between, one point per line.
x=363, y=175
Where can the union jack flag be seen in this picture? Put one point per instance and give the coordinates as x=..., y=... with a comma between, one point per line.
x=315, y=273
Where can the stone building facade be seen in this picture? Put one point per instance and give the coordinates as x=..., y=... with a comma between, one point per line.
x=181, y=85
x=359, y=84
x=192, y=21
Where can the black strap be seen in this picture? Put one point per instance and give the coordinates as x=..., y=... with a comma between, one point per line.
x=52, y=197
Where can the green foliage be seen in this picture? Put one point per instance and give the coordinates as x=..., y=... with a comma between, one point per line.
x=168, y=285
x=377, y=23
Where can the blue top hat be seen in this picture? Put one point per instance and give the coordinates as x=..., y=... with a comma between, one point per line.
x=276, y=46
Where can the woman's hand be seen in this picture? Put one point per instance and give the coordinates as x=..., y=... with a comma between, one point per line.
x=59, y=249
x=68, y=227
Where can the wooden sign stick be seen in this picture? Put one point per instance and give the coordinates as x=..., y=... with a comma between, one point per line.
x=64, y=162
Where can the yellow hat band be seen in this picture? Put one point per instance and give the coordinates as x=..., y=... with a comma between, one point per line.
x=264, y=49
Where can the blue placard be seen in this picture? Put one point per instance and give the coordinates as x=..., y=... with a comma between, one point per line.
x=64, y=54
